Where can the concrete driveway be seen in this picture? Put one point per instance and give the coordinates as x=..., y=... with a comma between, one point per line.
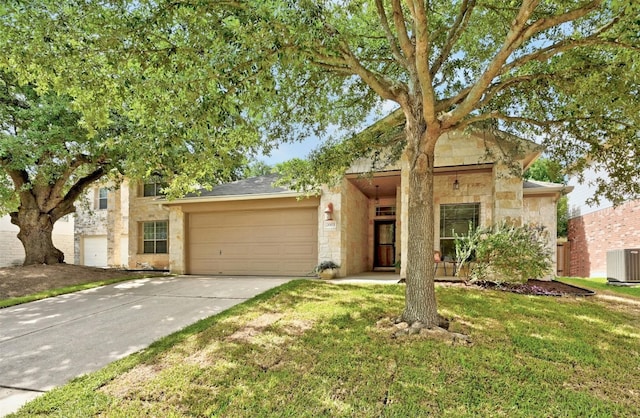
x=46, y=343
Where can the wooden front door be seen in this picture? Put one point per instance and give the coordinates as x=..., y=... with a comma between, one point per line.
x=385, y=243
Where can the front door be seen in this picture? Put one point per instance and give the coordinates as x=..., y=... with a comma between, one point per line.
x=385, y=243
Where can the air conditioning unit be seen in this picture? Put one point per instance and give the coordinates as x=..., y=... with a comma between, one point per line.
x=623, y=265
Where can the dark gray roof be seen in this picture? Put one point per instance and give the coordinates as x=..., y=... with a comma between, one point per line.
x=250, y=186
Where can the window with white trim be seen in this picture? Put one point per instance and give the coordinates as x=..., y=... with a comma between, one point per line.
x=101, y=201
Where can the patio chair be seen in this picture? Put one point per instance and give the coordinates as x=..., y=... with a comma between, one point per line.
x=437, y=260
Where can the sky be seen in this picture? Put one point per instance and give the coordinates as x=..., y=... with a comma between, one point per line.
x=287, y=151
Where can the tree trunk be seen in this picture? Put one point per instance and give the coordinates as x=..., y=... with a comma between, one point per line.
x=36, y=230
x=420, y=297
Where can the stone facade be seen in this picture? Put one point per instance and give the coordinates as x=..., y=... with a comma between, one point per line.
x=348, y=237
x=593, y=234
x=12, y=251
x=121, y=226
x=540, y=210
x=144, y=209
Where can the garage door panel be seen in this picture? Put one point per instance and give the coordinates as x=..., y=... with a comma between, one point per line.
x=255, y=268
x=259, y=242
x=94, y=251
x=264, y=234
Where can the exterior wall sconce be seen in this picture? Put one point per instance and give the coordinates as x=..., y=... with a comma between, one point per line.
x=328, y=212
x=456, y=183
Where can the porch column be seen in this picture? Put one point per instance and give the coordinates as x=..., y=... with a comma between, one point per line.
x=330, y=231
x=177, y=263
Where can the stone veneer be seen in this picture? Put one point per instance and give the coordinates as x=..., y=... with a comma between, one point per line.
x=145, y=209
x=121, y=224
x=540, y=210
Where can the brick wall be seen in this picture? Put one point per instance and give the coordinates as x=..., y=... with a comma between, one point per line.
x=593, y=234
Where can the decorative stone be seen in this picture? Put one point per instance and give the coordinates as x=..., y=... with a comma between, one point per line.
x=327, y=274
x=444, y=335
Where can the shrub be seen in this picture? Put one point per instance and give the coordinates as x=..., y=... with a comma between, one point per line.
x=506, y=253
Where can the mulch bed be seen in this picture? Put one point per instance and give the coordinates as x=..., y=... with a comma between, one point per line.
x=538, y=287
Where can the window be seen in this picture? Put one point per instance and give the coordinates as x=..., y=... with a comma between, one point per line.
x=385, y=210
x=102, y=198
x=154, y=237
x=153, y=188
x=456, y=220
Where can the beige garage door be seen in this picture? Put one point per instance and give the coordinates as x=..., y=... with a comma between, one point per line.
x=257, y=242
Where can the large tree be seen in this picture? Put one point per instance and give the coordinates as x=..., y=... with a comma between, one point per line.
x=48, y=160
x=565, y=72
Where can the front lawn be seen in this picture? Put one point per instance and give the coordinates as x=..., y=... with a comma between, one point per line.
x=600, y=285
x=313, y=349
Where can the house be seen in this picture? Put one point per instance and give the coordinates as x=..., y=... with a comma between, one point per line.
x=250, y=227
x=598, y=228
x=12, y=251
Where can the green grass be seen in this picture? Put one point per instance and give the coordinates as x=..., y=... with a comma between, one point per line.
x=600, y=285
x=312, y=349
x=5, y=303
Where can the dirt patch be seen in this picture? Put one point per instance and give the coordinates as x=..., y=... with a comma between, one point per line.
x=254, y=327
x=27, y=280
x=538, y=287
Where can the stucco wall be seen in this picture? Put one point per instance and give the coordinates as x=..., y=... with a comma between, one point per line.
x=595, y=233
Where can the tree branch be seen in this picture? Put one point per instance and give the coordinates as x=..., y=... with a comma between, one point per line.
x=530, y=121
x=458, y=27
x=498, y=87
x=512, y=41
x=566, y=45
x=546, y=23
x=66, y=206
x=384, y=88
x=518, y=34
x=422, y=62
x=403, y=34
x=395, y=50
x=55, y=192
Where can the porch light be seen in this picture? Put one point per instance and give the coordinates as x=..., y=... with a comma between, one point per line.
x=328, y=212
x=456, y=183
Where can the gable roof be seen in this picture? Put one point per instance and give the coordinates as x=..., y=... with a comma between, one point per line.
x=260, y=187
x=391, y=128
x=252, y=185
